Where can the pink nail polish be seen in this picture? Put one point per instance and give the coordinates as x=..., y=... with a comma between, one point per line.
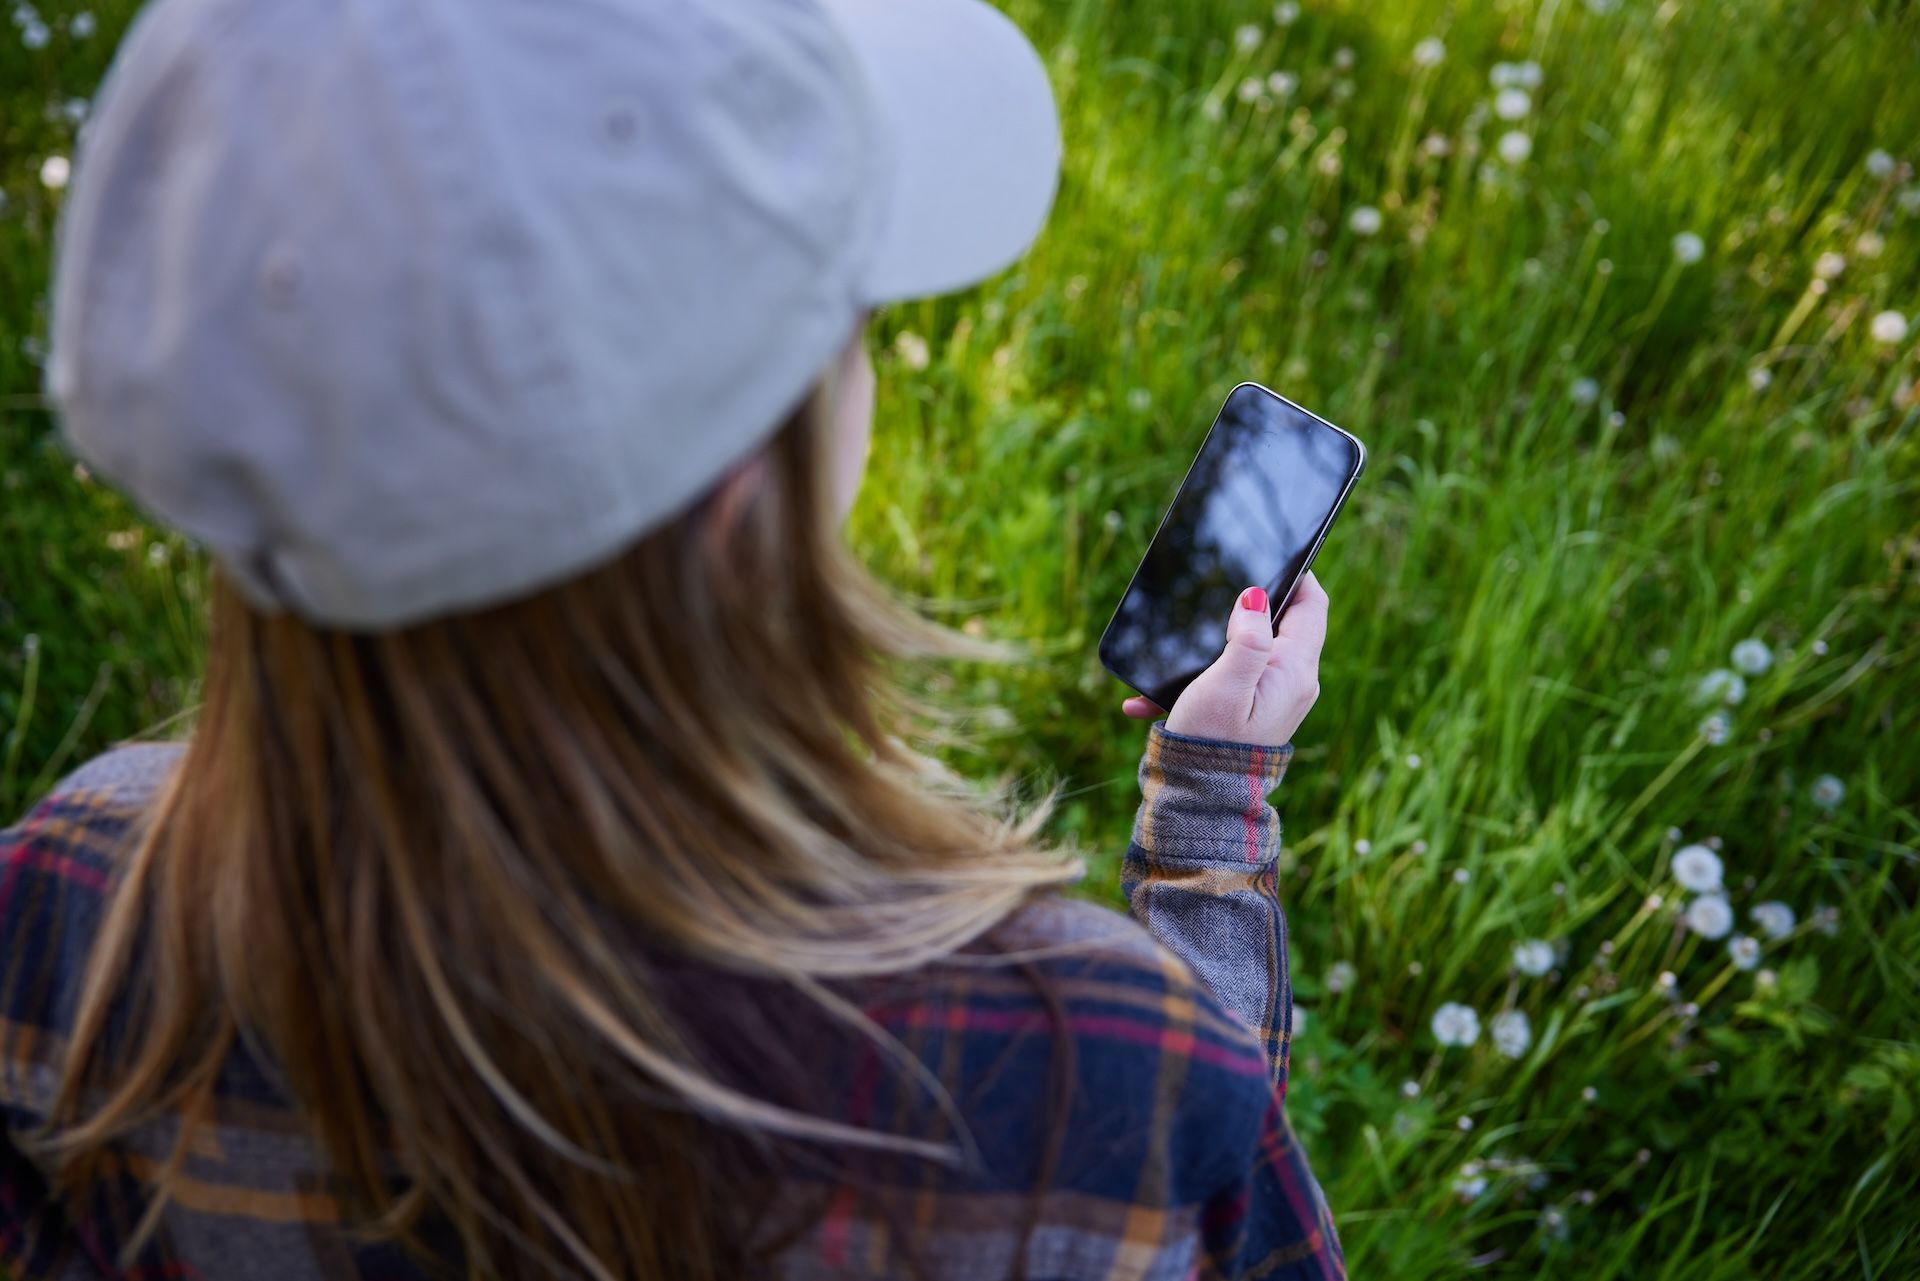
x=1254, y=598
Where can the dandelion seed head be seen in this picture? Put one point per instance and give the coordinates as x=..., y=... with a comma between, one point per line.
x=1688, y=248
x=1343, y=58
x=1460, y=876
x=1429, y=52
x=912, y=349
x=1819, y=648
x=1752, y=656
x=1469, y=1186
x=1413, y=760
x=1589, y=1093
x=1464, y=1124
x=1775, y=919
x=1879, y=163
x=1744, y=951
x=81, y=25
x=1436, y=145
x=1454, y=1024
x=1759, y=378
x=1584, y=391
x=1364, y=221
x=1139, y=400
x=1666, y=982
x=1415, y=969
x=1363, y=847
x=1721, y=685
x=1409, y=1089
x=1827, y=792
x=1512, y=1033
x=1710, y=916
x=1250, y=89
x=1698, y=869
x=1514, y=147
x=1418, y=848
x=1341, y=976
x=1828, y=265
x=1871, y=244
x=1765, y=979
x=1716, y=729
x=34, y=34
x=54, y=172
x=1673, y=834
x=1281, y=84
x=1248, y=38
x=1533, y=957
x=1512, y=104
x=1889, y=327
x=1286, y=13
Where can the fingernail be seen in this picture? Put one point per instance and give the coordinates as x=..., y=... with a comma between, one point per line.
x=1254, y=598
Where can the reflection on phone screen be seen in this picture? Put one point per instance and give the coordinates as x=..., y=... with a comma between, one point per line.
x=1251, y=511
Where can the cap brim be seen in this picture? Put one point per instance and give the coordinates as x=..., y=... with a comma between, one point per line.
x=974, y=139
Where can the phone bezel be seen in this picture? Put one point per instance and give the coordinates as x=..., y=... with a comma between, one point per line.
x=1278, y=604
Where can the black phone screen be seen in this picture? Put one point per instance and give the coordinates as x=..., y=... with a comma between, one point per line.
x=1252, y=511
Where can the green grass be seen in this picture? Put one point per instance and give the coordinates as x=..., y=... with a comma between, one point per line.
x=1526, y=588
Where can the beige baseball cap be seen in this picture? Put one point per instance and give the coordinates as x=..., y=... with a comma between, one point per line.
x=404, y=307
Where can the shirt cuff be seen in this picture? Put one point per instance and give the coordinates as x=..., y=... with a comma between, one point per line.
x=1205, y=800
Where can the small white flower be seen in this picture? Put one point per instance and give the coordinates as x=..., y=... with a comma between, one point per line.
x=1589, y=1093
x=1709, y=916
x=1212, y=108
x=1698, y=869
x=1409, y=1089
x=1716, y=729
x=1286, y=13
x=1828, y=265
x=54, y=172
x=1667, y=982
x=1888, y=327
x=1281, y=84
x=1113, y=522
x=1413, y=760
x=1720, y=686
x=1527, y=75
x=1249, y=90
x=1553, y=1220
x=912, y=349
x=1419, y=848
x=1688, y=248
x=1343, y=58
x=1467, y=1185
x=1455, y=1024
x=1514, y=147
x=1744, y=951
x=1584, y=391
x=1512, y=104
x=1759, y=378
x=1879, y=163
x=35, y=35
x=1139, y=400
x=1363, y=847
x=1752, y=656
x=1429, y=52
x=1512, y=1033
x=1364, y=221
x=1340, y=976
x=1827, y=792
x=1464, y=1124
x=81, y=25
x=1460, y=876
x=1871, y=244
x=1775, y=919
x=1501, y=75
x=1533, y=957
x=1247, y=38
x=1436, y=145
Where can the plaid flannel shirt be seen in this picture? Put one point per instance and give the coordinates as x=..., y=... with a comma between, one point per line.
x=1176, y=1162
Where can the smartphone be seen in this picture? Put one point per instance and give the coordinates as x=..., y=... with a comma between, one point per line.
x=1254, y=508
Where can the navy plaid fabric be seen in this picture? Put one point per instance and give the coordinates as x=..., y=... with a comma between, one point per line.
x=1175, y=1159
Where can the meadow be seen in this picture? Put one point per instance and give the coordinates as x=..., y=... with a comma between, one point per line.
x=1604, y=839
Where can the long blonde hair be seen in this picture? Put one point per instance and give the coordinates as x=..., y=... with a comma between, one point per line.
x=445, y=877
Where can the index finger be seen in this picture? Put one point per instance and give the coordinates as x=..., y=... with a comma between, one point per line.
x=1303, y=627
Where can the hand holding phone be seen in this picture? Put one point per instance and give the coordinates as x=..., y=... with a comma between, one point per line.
x=1253, y=510
x=1265, y=681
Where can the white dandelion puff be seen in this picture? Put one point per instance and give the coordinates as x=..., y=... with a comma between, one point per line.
x=1139, y=400
x=1514, y=147
x=1343, y=58
x=1212, y=108
x=1512, y=1033
x=1512, y=104
x=35, y=34
x=1743, y=951
x=1281, y=84
x=1248, y=38
x=1716, y=729
x=1364, y=221
x=1827, y=792
x=1698, y=869
x=1589, y=1093
x=1409, y=1089
x=1759, y=378
x=1286, y=13
x=912, y=349
x=1464, y=1124
x=1584, y=391
x=1501, y=75
x=1527, y=75
x=1870, y=244
x=1436, y=145
x=1667, y=981
x=1720, y=685
x=1249, y=90
x=1299, y=1020
x=1688, y=248
x=1455, y=1024
x=1828, y=265
x=1709, y=916
x=1533, y=957
x=1113, y=522
x=1469, y=1183
x=1341, y=976
x=1879, y=163
x=1775, y=919
x=81, y=25
x=1752, y=656
x=1460, y=876
x=1429, y=52
x=54, y=172
x=1363, y=847
x=1888, y=327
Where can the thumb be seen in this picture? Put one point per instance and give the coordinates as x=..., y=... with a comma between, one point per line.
x=1249, y=639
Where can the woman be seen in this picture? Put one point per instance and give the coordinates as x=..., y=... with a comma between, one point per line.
x=546, y=888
